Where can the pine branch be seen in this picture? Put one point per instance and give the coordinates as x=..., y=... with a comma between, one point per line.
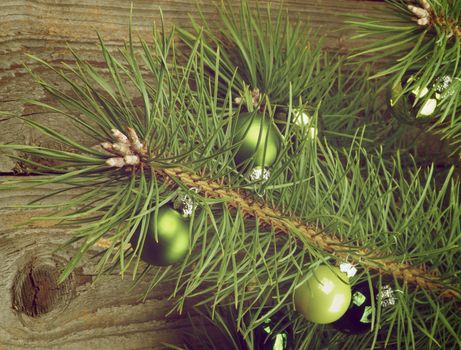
x=421, y=46
x=447, y=24
x=263, y=51
x=384, y=213
x=278, y=220
x=415, y=275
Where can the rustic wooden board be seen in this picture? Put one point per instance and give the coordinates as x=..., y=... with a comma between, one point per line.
x=81, y=313
x=34, y=311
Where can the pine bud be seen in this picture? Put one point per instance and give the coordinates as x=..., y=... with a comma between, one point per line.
x=423, y=21
x=418, y=11
x=131, y=160
x=116, y=162
x=119, y=136
x=425, y=5
x=122, y=149
x=135, y=143
x=108, y=147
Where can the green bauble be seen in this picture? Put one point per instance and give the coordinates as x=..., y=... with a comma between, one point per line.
x=259, y=139
x=325, y=296
x=403, y=107
x=173, y=238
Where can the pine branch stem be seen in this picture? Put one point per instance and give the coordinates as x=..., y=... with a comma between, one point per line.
x=414, y=275
x=449, y=24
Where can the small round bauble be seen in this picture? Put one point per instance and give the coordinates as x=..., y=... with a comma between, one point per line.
x=325, y=296
x=257, y=138
x=404, y=107
x=266, y=337
x=359, y=315
x=173, y=238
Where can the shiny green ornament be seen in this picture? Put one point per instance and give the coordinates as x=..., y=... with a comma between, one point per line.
x=173, y=238
x=258, y=139
x=325, y=296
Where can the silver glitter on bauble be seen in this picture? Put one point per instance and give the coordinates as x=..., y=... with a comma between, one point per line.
x=185, y=204
x=442, y=83
x=446, y=87
x=259, y=174
x=387, y=296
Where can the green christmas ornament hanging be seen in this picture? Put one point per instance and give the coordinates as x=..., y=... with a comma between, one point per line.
x=258, y=139
x=303, y=120
x=304, y=132
x=173, y=238
x=324, y=296
x=421, y=101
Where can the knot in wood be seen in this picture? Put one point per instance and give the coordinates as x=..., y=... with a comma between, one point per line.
x=35, y=289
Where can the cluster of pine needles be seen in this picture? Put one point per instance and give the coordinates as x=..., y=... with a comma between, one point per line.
x=420, y=39
x=349, y=192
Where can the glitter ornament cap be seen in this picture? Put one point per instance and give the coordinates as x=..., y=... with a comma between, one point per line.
x=185, y=204
x=442, y=83
x=446, y=87
x=259, y=174
x=387, y=296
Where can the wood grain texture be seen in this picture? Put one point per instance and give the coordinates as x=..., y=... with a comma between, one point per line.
x=34, y=311
x=82, y=313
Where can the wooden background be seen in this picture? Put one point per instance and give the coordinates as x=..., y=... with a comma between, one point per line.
x=34, y=311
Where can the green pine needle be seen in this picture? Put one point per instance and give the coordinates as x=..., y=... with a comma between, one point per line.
x=186, y=114
x=426, y=52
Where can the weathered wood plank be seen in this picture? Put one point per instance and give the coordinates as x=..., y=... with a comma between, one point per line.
x=45, y=28
x=36, y=313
